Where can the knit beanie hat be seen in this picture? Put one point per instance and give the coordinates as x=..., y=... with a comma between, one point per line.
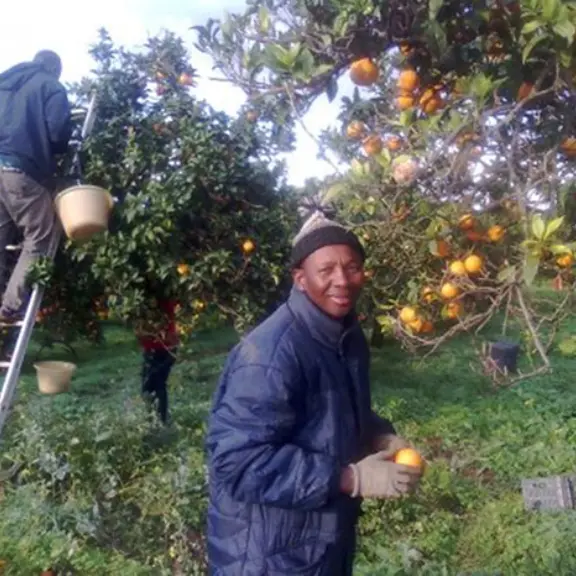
x=317, y=232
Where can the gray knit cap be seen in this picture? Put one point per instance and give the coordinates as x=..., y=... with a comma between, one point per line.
x=317, y=232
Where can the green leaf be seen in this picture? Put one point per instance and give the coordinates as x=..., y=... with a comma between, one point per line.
x=531, y=26
x=566, y=30
x=507, y=274
x=433, y=8
x=331, y=89
x=335, y=191
x=557, y=249
x=531, y=264
x=538, y=226
x=264, y=19
x=553, y=226
x=534, y=41
x=550, y=9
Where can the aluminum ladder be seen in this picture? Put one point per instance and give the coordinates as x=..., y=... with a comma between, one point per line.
x=26, y=325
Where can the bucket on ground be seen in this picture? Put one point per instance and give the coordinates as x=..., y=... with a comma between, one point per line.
x=84, y=210
x=54, y=377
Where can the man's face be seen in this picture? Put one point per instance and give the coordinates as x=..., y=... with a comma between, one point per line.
x=332, y=277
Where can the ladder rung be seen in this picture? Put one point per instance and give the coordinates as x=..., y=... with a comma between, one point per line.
x=14, y=247
x=15, y=324
x=4, y=365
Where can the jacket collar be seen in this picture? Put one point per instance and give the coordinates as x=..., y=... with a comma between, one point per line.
x=324, y=329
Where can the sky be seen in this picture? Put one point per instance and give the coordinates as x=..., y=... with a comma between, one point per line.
x=31, y=25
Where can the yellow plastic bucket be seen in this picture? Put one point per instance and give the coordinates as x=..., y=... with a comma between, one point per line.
x=84, y=210
x=54, y=377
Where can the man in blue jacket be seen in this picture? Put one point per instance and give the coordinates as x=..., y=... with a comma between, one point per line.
x=293, y=444
x=35, y=126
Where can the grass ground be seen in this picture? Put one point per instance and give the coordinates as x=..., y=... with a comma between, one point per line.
x=101, y=490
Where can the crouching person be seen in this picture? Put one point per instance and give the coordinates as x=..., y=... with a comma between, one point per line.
x=293, y=444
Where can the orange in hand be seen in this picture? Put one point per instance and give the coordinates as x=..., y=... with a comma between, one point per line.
x=409, y=457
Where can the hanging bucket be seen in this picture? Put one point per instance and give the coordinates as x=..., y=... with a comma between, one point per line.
x=54, y=377
x=83, y=210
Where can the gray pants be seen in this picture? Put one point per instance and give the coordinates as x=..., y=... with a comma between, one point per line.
x=25, y=206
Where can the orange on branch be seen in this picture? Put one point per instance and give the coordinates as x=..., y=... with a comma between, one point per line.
x=453, y=310
x=404, y=101
x=407, y=314
x=409, y=457
x=457, y=268
x=524, y=91
x=568, y=146
x=364, y=72
x=416, y=325
x=473, y=264
x=394, y=143
x=430, y=101
x=449, y=291
x=466, y=222
x=565, y=260
x=183, y=269
x=442, y=248
x=248, y=246
x=495, y=233
x=372, y=145
x=427, y=327
x=408, y=80
x=355, y=129
x=428, y=294
x=473, y=235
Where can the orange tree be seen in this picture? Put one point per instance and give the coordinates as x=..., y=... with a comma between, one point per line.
x=201, y=215
x=458, y=140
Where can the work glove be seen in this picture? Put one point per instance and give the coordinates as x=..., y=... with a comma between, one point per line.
x=376, y=477
x=389, y=444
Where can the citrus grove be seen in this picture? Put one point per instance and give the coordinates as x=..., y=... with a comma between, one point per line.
x=459, y=142
x=201, y=215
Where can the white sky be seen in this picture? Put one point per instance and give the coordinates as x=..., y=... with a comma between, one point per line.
x=27, y=26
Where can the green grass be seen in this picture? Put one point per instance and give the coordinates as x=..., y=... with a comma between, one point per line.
x=102, y=490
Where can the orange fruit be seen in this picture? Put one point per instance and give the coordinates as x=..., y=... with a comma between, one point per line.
x=427, y=327
x=408, y=457
x=430, y=102
x=457, y=268
x=466, y=222
x=524, y=91
x=404, y=101
x=364, y=72
x=568, y=146
x=442, y=248
x=408, y=80
x=473, y=264
x=252, y=116
x=495, y=233
x=449, y=291
x=428, y=294
x=473, y=235
x=372, y=145
x=248, y=246
x=355, y=129
x=186, y=79
x=183, y=269
x=453, y=310
x=565, y=260
x=407, y=314
x=394, y=143
x=416, y=325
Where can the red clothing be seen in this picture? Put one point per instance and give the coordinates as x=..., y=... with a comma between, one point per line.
x=168, y=336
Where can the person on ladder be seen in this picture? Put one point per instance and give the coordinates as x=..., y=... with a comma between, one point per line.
x=35, y=127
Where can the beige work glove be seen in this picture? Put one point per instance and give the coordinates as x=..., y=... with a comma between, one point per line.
x=376, y=477
x=389, y=444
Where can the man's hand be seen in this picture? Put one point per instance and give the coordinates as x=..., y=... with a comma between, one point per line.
x=388, y=445
x=377, y=477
